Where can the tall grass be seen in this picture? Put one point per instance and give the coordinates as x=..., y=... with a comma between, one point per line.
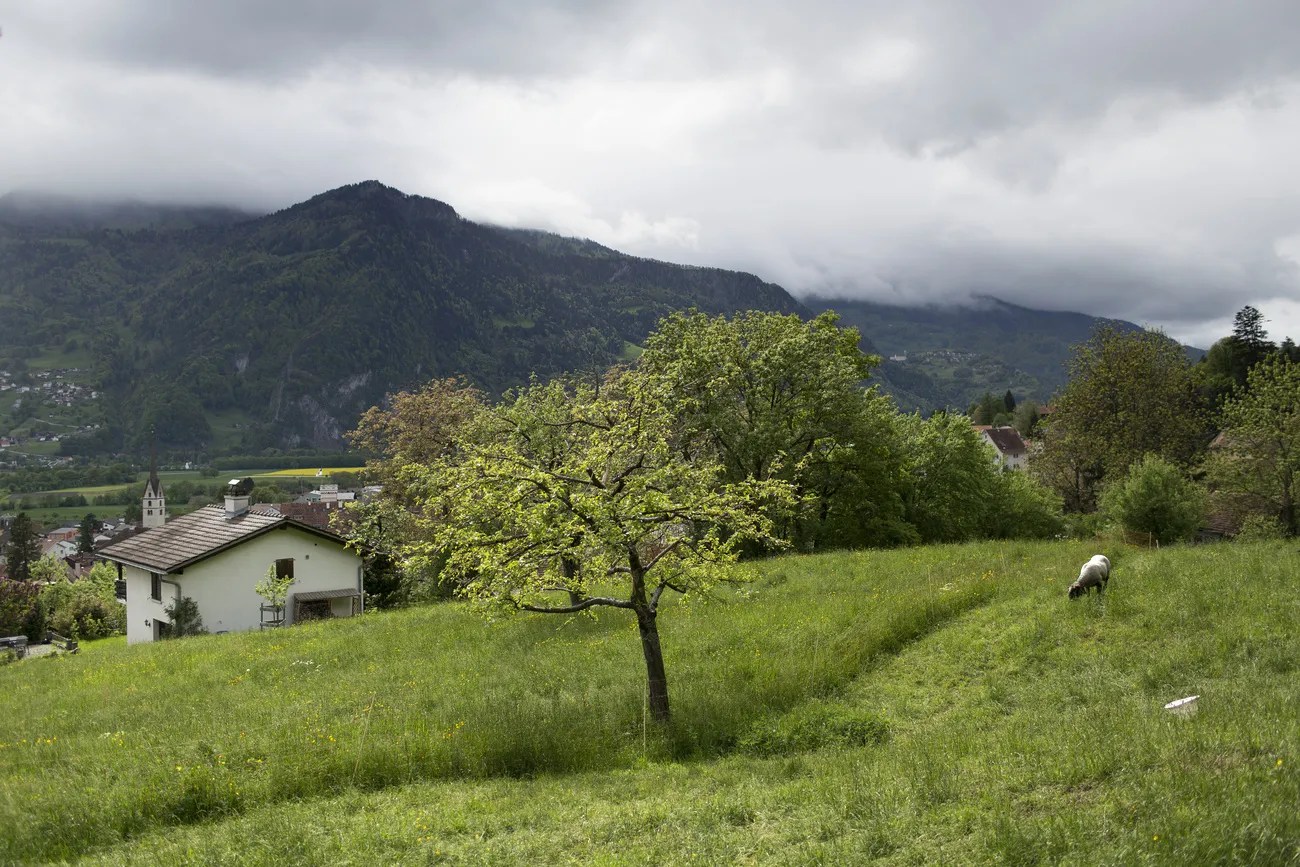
x=943, y=704
x=97, y=748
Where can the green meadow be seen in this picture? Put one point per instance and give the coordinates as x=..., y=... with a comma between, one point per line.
x=934, y=705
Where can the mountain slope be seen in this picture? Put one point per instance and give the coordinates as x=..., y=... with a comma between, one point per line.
x=299, y=320
x=956, y=353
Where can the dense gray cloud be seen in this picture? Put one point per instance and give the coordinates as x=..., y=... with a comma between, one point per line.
x=1130, y=159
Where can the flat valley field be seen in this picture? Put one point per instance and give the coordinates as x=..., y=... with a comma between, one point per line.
x=938, y=705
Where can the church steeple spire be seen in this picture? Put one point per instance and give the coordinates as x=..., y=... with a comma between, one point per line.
x=153, y=510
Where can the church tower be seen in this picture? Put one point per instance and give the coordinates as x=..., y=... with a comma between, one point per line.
x=153, y=511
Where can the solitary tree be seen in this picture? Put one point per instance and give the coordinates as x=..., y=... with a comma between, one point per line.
x=1248, y=330
x=24, y=548
x=566, y=490
x=274, y=587
x=415, y=428
x=1230, y=360
x=1130, y=393
x=86, y=535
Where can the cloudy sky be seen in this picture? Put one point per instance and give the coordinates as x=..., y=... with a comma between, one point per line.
x=1130, y=159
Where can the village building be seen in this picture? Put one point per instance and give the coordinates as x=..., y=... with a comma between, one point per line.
x=1010, y=450
x=217, y=555
x=153, y=510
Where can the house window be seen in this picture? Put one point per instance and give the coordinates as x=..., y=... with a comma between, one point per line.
x=284, y=569
x=155, y=586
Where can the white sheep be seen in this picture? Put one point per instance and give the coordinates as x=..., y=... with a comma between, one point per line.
x=1095, y=573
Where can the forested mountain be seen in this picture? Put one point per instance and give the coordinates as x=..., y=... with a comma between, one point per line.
x=294, y=322
x=955, y=354
x=234, y=332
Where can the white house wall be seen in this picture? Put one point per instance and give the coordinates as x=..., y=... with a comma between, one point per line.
x=222, y=585
x=140, y=609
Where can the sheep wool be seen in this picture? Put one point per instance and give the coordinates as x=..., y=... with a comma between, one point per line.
x=1094, y=573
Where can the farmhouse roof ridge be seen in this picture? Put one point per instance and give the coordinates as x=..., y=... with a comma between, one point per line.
x=197, y=536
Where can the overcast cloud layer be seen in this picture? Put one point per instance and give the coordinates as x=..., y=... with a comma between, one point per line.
x=1128, y=159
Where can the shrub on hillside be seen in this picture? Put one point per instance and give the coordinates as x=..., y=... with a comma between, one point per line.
x=1023, y=508
x=1155, y=499
x=1261, y=528
x=185, y=619
x=88, y=616
x=86, y=609
x=21, y=611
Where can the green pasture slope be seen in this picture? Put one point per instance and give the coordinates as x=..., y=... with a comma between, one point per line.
x=938, y=705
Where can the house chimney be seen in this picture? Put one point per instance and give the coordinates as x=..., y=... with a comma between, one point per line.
x=238, y=493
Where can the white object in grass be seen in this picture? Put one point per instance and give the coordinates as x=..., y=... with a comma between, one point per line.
x=1183, y=706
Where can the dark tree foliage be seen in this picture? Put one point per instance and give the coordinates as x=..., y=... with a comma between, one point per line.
x=86, y=535
x=21, y=610
x=24, y=548
x=185, y=619
x=1248, y=330
x=1130, y=394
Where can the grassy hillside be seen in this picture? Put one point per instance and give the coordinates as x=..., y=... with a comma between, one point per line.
x=921, y=706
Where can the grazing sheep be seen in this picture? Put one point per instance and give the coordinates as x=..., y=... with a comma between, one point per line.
x=1095, y=573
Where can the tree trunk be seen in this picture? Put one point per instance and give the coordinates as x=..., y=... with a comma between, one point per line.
x=646, y=616
x=656, y=679
x=569, y=568
x=1288, y=504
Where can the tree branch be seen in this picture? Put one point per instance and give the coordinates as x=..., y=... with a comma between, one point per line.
x=589, y=602
x=659, y=591
x=655, y=558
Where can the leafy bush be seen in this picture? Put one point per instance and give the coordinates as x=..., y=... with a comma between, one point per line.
x=1154, y=498
x=21, y=610
x=1261, y=528
x=185, y=619
x=1023, y=508
x=89, y=617
x=85, y=609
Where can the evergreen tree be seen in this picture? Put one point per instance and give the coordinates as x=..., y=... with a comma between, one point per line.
x=24, y=548
x=1248, y=330
x=86, y=536
x=1009, y=401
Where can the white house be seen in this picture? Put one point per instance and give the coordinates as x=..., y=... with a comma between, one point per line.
x=1006, y=441
x=216, y=556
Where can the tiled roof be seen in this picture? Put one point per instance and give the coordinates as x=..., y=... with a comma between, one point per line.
x=321, y=595
x=195, y=536
x=316, y=514
x=1007, y=440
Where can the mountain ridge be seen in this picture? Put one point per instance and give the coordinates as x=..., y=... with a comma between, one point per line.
x=302, y=318
x=227, y=330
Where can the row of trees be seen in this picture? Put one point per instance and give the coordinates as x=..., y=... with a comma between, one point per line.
x=728, y=438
